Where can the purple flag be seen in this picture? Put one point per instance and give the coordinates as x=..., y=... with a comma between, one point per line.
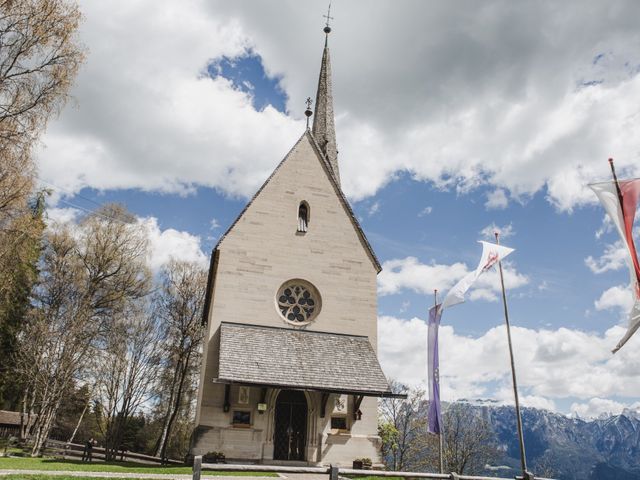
x=435, y=415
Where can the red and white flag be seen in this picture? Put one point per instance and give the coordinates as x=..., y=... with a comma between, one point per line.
x=620, y=200
x=491, y=255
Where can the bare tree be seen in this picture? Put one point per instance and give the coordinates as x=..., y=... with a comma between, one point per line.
x=178, y=304
x=129, y=359
x=401, y=422
x=469, y=442
x=87, y=277
x=39, y=58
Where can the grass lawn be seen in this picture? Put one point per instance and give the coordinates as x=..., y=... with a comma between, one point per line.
x=28, y=463
x=371, y=477
x=51, y=477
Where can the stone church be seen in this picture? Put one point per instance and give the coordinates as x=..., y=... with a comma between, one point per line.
x=290, y=372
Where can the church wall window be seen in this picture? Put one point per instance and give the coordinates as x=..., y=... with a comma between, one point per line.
x=298, y=302
x=241, y=418
x=303, y=217
x=339, y=423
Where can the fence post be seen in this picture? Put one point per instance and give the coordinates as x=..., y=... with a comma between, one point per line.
x=454, y=476
x=333, y=472
x=197, y=467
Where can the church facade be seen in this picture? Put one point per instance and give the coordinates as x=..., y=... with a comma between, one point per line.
x=290, y=372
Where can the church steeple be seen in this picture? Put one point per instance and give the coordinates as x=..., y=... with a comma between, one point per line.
x=324, y=130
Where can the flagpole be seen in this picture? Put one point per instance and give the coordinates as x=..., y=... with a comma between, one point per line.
x=523, y=460
x=615, y=180
x=440, y=439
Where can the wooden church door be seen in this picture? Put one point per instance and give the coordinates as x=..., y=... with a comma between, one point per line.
x=290, y=436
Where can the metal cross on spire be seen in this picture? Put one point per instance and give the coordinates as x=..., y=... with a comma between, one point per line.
x=327, y=28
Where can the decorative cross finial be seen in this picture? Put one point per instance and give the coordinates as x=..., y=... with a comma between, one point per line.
x=308, y=111
x=327, y=28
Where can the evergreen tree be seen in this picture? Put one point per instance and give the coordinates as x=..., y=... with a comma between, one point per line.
x=21, y=247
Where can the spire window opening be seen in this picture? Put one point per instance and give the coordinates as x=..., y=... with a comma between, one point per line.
x=303, y=217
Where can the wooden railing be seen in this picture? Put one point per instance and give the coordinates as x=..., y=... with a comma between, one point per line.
x=335, y=472
x=64, y=449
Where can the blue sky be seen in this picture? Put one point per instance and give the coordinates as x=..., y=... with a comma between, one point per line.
x=435, y=148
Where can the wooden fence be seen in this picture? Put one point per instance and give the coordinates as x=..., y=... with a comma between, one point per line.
x=335, y=472
x=75, y=450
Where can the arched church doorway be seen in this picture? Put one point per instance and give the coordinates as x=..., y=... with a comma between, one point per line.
x=290, y=436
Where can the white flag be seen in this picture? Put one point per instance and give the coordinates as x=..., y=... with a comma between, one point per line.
x=491, y=255
x=620, y=202
x=634, y=324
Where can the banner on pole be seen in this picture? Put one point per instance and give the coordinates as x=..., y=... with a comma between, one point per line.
x=433, y=371
x=491, y=255
x=620, y=200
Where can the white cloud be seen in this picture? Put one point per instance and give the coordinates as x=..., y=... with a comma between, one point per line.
x=534, y=401
x=615, y=255
x=512, y=112
x=606, y=227
x=552, y=364
x=425, y=211
x=62, y=215
x=618, y=297
x=165, y=245
x=596, y=407
x=410, y=274
x=614, y=258
x=214, y=224
x=496, y=200
x=505, y=231
x=147, y=117
x=374, y=208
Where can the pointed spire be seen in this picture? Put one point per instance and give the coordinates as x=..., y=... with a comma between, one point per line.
x=324, y=130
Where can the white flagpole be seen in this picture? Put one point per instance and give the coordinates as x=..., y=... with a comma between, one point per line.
x=523, y=460
x=440, y=439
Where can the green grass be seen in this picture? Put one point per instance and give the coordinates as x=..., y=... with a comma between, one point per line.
x=28, y=463
x=51, y=477
x=371, y=477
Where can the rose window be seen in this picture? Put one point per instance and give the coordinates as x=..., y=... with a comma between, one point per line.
x=298, y=301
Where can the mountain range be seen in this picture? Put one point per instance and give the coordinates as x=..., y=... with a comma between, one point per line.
x=566, y=448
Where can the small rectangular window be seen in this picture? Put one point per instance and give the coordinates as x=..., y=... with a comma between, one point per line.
x=303, y=217
x=241, y=417
x=339, y=423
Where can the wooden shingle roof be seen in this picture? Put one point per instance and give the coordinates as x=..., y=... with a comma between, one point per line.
x=303, y=359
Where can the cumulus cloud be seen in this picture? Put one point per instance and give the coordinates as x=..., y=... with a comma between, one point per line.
x=596, y=407
x=617, y=297
x=512, y=112
x=614, y=257
x=552, y=364
x=410, y=274
x=147, y=116
x=165, y=245
x=496, y=200
x=62, y=215
x=505, y=231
